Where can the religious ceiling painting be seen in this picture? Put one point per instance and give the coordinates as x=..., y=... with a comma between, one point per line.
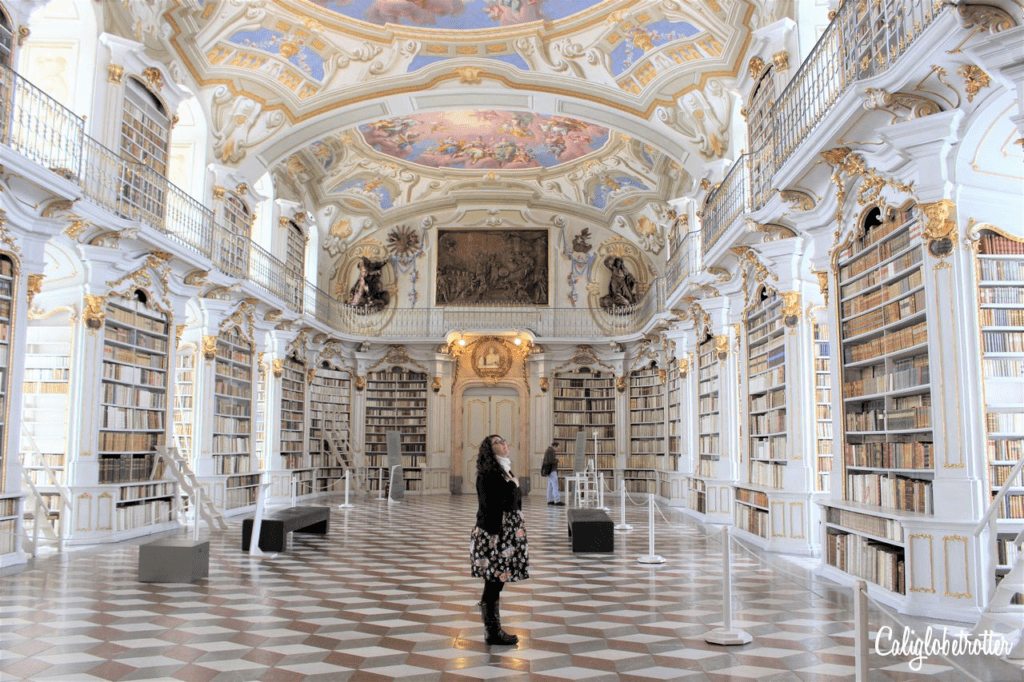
x=455, y=14
x=372, y=189
x=640, y=40
x=292, y=47
x=611, y=187
x=484, y=139
x=487, y=266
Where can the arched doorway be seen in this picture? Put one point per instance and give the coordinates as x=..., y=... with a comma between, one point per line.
x=487, y=410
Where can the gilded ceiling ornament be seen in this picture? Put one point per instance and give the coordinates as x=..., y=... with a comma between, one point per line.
x=781, y=60
x=469, y=75
x=154, y=79
x=940, y=229
x=755, y=66
x=35, y=285
x=397, y=355
x=798, y=199
x=902, y=106
x=974, y=80
x=986, y=17
x=278, y=369
x=93, y=313
x=822, y=276
x=209, y=347
x=115, y=73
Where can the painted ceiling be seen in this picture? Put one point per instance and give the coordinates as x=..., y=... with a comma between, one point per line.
x=606, y=109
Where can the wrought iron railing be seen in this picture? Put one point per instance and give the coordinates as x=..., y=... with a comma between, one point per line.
x=863, y=40
x=685, y=260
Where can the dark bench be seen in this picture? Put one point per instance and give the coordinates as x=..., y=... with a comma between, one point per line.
x=277, y=524
x=591, y=530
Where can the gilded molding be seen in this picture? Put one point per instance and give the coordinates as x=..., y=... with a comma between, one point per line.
x=722, y=274
x=781, y=60
x=436, y=385
x=974, y=80
x=93, y=313
x=278, y=368
x=196, y=278
x=684, y=366
x=218, y=193
x=154, y=79
x=620, y=384
x=178, y=331
x=76, y=228
x=115, y=73
x=5, y=237
x=798, y=199
x=722, y=346
x=755, y=66
x=209, y=347
x=469, y=75
x=902, y=106
x=985, y=17
x=790, y=307
x=822, y=276
x=360, y=382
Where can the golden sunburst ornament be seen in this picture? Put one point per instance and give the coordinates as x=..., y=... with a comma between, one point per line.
x=403, y=241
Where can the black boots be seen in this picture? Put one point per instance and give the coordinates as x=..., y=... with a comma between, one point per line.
x=492, y=625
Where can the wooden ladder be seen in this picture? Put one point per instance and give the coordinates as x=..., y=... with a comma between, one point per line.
x=182, y=472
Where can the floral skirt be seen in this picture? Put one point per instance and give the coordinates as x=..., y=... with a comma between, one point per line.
x=504, y=557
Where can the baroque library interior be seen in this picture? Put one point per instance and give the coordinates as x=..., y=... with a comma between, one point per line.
x=763, y=259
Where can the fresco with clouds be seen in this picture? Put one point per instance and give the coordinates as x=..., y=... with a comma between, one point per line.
x=484, y=139
x=455, y=14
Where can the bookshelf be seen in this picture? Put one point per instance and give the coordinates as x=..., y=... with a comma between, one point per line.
x=396, y=400
x=330, y=395
x=1000, y=271
x=133, y=409
x=585, y=398
x=8, y=506
x=672, y=482
x=888, y=451
x=231, y=446
x=823, y=407
x=708, y=412
x=293, y=406
x=260, y=416
x=45, y=410
x=184, y=402
x=646, y=430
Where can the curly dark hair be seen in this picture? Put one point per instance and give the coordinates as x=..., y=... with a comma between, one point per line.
x=486, y=460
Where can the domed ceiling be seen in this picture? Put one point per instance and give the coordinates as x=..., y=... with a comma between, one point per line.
x=601, y=108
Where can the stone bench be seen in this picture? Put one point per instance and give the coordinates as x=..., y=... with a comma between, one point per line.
x=591, y=530
x=178, y=559
x=277, y=524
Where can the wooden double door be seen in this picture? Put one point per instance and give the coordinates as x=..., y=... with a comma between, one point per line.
x=485, y=411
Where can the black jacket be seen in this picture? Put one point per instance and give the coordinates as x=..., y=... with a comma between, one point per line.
x=495, y=496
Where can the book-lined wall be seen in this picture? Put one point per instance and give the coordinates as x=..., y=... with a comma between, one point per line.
x=585, y=398
x=888, y=461
x=396, y=400
x=8, y=506
x=329, y=407
x=293, y=407
x=232, y=432
x=823, y=407
x=708, y=423
x=1000, y=270
x=646, y=430
x=133, y=408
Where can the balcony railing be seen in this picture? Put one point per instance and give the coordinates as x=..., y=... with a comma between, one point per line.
x=685, y=260
x=863, y=40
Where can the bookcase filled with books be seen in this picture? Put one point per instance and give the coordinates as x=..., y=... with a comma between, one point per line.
x=1000, y=271
x=709, y=431
x=330, y=396
x=133, y=411
x=672, y=482
x=44, y=413
x=646, y=429
x=231, y=446
x=767, y=424
x=585, y=397
x=292, y=437
x=823, y=408
x=8, y=505
x=888, y=464
x=184, y=402
x=396, y=400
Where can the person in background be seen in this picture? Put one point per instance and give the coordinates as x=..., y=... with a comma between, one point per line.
x=499, y=552
x=549, y=470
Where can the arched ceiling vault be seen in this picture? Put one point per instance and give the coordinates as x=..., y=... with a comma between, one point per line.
x=596, y=108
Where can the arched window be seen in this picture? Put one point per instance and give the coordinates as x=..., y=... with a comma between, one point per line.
x=145, y=137
x=6, y=40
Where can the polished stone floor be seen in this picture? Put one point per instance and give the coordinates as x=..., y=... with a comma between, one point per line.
x=387, y=596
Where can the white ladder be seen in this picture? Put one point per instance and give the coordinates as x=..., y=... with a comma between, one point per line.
x=182, y=472
x=41, y=519
x=1000, y=615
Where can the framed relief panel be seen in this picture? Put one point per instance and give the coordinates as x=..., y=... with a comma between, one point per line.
x=499, y=267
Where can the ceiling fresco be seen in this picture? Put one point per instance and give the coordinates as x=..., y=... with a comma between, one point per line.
x=454, y=14
x=484, y=139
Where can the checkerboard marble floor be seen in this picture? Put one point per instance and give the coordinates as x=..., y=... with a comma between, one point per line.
x=387, y=595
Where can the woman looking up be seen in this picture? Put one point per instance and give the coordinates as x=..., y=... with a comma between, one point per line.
x=499, y=553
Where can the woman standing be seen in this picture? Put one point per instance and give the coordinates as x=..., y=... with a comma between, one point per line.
x=500, y=553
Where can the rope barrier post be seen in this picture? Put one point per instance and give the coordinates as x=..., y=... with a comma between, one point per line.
x=346, y=505
x=295, y=487
x=600, y=492
x=650, y=557
x=726, y=635
x=860, y=631
x=622, y=525
x=257, y=522
x=380, y=483
x=391, y=484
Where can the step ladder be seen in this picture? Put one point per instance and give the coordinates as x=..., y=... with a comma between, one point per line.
x=341, y=457
x=42, y=516
x=179, y=467
x=1001, y=615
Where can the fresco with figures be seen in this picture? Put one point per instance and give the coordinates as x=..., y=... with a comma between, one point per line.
x=455, y=14
x=484, y=139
